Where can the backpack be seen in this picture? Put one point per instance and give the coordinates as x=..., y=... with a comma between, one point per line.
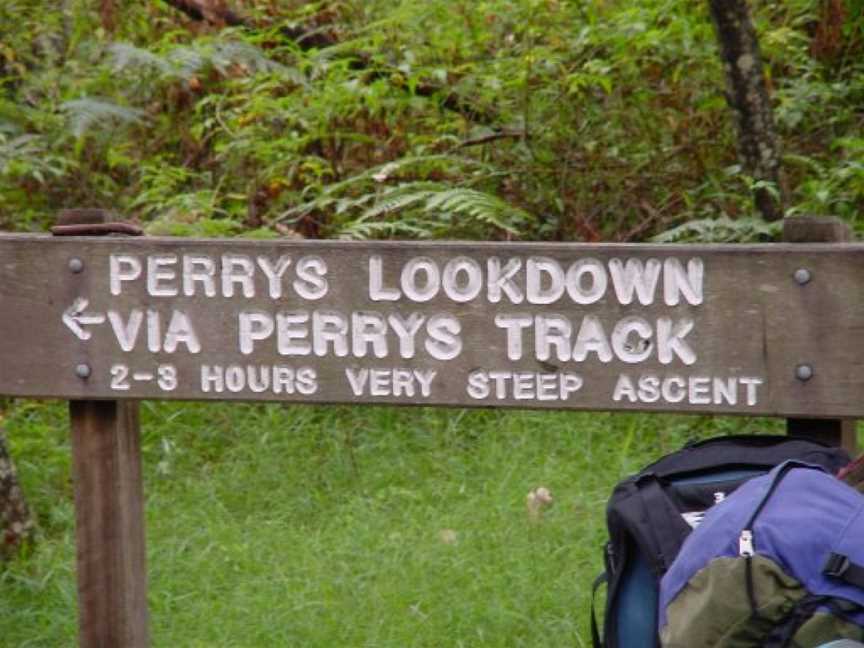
x=780, y=563
x=651, y=513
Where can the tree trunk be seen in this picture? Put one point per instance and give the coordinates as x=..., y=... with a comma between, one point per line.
x=16, y=523
x=747, y=95
x=828, y=41
x=108, y=15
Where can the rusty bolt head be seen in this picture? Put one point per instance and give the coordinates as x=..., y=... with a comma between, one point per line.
x=803, y=372
x=76, y=265
x=83, y=371
x=802, y=276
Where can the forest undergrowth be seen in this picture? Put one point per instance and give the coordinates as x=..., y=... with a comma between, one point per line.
x=529, y=119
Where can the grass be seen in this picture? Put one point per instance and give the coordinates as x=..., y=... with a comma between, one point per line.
x=322, y=526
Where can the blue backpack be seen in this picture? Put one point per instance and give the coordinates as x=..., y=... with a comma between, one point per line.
x=778, y=563
x=651, y=513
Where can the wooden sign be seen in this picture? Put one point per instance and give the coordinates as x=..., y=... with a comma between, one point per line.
x=756, y=329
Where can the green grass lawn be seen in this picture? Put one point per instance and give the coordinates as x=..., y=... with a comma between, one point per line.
x=339, y=526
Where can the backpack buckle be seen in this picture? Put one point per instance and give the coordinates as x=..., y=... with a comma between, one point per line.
x=836, y=565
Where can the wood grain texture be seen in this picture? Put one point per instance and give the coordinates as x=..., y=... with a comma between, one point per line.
x=755, y=321
x=109, y=530
x=837, y=432
x=109, y=506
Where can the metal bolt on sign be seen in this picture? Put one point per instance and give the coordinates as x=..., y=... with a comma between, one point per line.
x=76, y=265
x=83, y=371
x=802, y=276
x=803, y=372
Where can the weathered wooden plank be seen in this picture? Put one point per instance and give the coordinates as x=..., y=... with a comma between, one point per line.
x=109, y=525
x=838, y=432
x=709, y=329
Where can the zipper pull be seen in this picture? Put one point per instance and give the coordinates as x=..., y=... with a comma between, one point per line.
x=745, y=544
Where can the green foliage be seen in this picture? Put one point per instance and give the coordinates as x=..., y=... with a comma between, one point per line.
x=85, y=114
x=397, y=199
x=721, y=230
x=574, y=121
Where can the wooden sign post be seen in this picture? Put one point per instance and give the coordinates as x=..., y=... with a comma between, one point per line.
x=766, y=330
x=109, y=507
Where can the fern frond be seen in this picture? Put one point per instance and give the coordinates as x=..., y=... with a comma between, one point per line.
x=127, y=57
x=420, y=165
x=361, y=231
x=401, y=197
x=187, y=61
x=226, y=53
x=721, y=230
x=23, y=146
x=481, y=206
x=85, y=113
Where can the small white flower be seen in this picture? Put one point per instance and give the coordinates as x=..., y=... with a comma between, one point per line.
x=536, y=501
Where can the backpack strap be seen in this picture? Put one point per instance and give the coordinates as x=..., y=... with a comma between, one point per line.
x=784, y=632
x=839, y=566
x=595, y=633
x=667, y=527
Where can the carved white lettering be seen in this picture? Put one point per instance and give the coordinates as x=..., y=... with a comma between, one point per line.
x=212, y=378
x=649, y=388
x=199, y=269
x=699, y=390
x=237, y=269
x=406, y=329
x=368, y=328
x=522, y=385
x=123, y=267
x=414, y=289
x=473, y=283
x=552, y=331
x=726, y=390
x=357, y=378
x=671, y=343
x=274, y=273
x=180, y=331
x=329, y=328
x=591, y=337
x=257, y=379
x=292, y=333
x=390, y=382
x=377, y=290
x=158, y=272
x=634, y=276
x=253, y=326
x=693, y=389
x=538, y=289
x=674, y=389
x=311, y=282
x=514, y=325
x=676, y=282
x=154, y=331
x=126, y=333
x=444, y=341
x=752, y=384
x=283, y=379
x=500, y=280
x=575, y=281
x=631, y=339
x=624, y=388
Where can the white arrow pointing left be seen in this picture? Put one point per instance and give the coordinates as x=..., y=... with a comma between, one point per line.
x=75, y=318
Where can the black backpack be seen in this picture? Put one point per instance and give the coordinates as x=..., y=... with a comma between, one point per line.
x=651, y=513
